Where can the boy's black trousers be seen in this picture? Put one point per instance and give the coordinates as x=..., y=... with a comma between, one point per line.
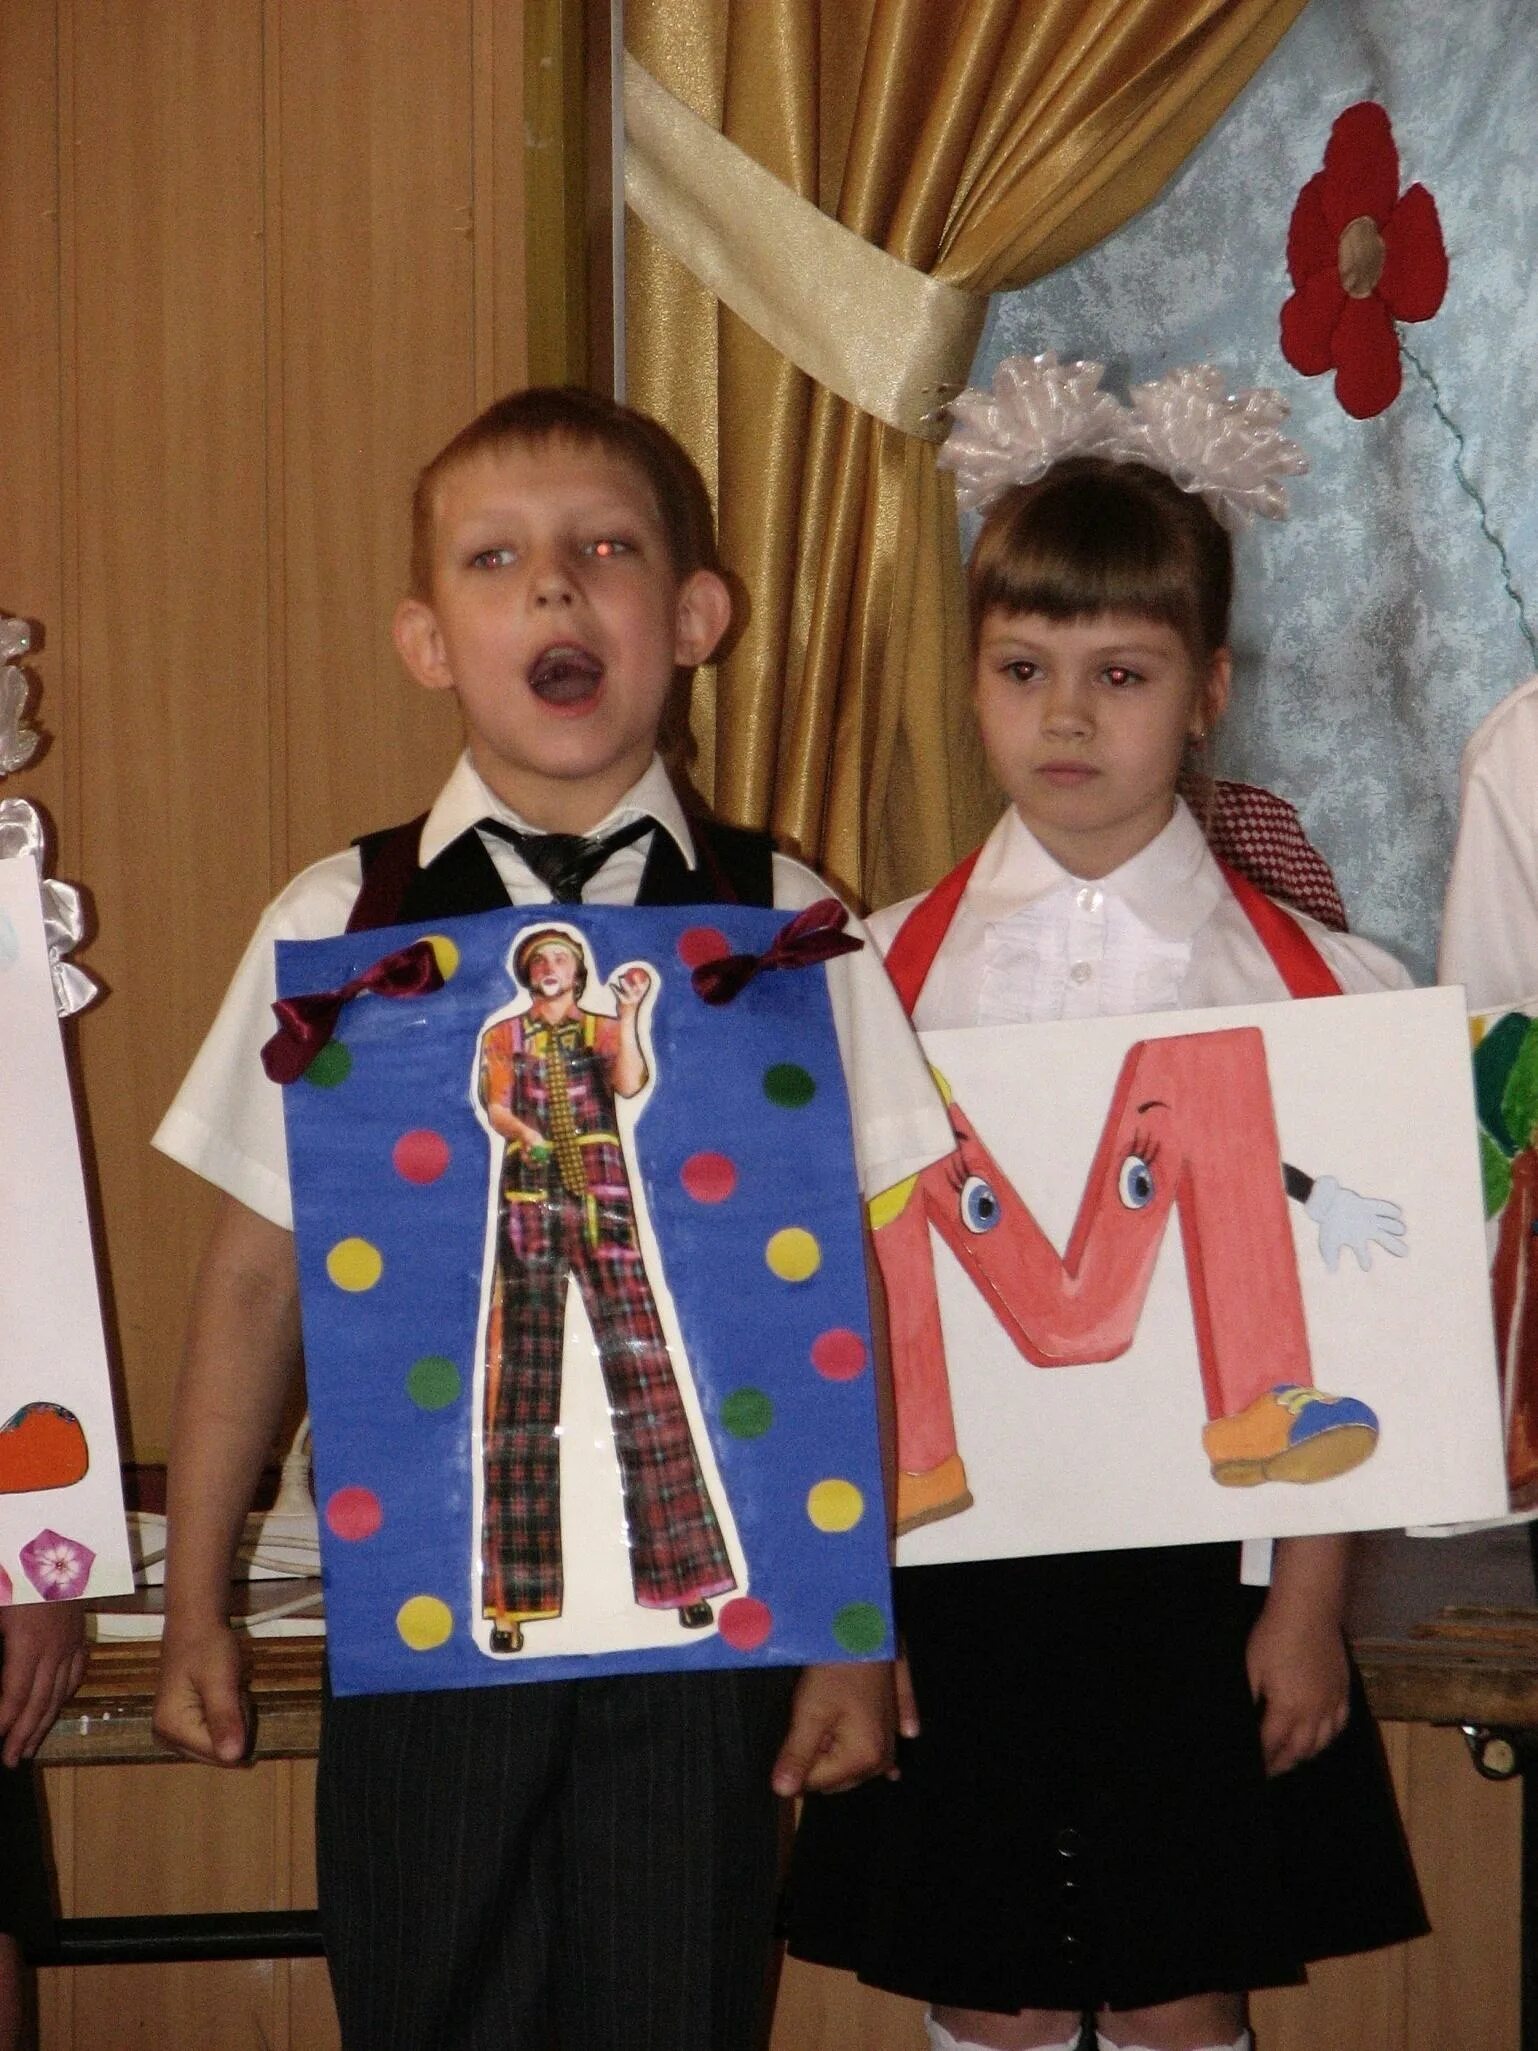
x=590, y=1864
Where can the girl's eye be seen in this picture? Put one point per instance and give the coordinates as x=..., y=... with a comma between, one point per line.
x=610, y=545
x=492, y=558
x=1135, y=1184
x=1119, y=678
x=980, y=1208
x=1022, y=671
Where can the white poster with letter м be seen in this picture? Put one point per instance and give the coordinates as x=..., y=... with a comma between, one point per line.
x=1311, y=1351
x=585, y=1318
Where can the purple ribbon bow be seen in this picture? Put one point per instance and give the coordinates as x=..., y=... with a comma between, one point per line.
x=813, y=935
x=306, y=1023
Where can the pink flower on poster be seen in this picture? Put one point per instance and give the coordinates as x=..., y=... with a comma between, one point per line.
x=57, y=1567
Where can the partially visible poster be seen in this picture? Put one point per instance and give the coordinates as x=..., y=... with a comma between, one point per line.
x=1310, y=1351
x=1506, y=1093
x=586, y=1330
x=61, y=1508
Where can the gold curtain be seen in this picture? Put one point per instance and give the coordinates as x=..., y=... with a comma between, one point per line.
x=983, y=142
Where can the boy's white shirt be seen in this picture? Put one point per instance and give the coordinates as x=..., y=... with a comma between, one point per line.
x=226, y=1123
x=1031, y=943
x=1490, y=920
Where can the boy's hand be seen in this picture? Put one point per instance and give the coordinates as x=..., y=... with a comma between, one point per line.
x=1300, y=1681
x=44, y=1663
x=200, y=1704
x=842, y=1719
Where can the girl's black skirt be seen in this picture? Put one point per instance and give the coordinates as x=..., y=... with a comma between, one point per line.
x=1085, y=1820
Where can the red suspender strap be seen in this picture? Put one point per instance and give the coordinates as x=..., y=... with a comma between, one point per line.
x=917, y=941
x=1298, y=961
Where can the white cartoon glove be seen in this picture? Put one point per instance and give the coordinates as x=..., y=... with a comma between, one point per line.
x=1360, y=1222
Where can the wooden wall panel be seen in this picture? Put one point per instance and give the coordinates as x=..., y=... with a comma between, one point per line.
x=31, y=567
x=378, y=326
x=162, y=129
x=261, y=259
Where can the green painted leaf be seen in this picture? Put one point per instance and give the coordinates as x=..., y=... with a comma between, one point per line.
x=1495, y=1172
x=1519, y=1099
x=1494, y=1059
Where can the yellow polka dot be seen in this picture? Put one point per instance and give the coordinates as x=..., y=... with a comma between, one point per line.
x=1478, y=1027
x=888, y=1204
x=424, y=1622
x=354, y=1264
x=835, y=1505
x=793, y=1254
x=445, y=953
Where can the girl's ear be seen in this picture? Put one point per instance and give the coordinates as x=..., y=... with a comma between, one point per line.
x=419, y=644
x=1212, y=698
x=703, y=616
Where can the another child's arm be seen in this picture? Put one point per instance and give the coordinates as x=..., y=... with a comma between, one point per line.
x=1296, y=1655
x=242, y=1348
x=41, y=1666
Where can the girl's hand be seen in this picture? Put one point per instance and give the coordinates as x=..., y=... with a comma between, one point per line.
x=1300, y=1681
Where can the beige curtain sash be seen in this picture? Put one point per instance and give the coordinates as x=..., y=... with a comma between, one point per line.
x=880, y=334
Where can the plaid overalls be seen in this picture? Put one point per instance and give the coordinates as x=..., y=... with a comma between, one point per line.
x=567, y=1210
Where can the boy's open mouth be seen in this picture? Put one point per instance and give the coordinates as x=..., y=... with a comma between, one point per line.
x=565, y=675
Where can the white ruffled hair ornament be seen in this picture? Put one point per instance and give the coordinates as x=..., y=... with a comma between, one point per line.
x=21, y=827
x=1230, y=451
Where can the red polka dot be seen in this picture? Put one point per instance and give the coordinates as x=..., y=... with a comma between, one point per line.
x=745, y=1623
x=709, y=1178
x=354, y=1513
x=420, y=1156
x=701, y=943
x=837, y=1355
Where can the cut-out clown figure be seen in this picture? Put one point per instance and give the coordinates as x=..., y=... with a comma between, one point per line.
x=1192, y=1128
x=546, y=1083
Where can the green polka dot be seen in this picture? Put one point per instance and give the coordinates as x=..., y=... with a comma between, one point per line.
x=747, y=1413
x=333, y=1064
x=789, y=1085
x=433, y=1382
x=859, y=1627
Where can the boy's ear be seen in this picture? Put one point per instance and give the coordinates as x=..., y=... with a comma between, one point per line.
x=703, y=616
x=1213, y=700
x=419, y=644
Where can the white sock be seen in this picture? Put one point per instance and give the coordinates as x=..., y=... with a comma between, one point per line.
x=1243, y=2042
x=940, y=2039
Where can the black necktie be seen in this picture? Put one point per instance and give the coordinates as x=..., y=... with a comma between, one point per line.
x=563, y=862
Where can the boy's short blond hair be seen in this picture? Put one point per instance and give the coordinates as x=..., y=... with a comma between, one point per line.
x=545, y=413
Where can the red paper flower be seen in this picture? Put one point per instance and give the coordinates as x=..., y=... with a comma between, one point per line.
x=1362, y=256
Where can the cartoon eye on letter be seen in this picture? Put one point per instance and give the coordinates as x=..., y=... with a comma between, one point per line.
x=1135, y=1184
x=980, y=1208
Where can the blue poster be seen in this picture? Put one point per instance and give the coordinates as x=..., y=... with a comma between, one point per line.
x=583, y=1290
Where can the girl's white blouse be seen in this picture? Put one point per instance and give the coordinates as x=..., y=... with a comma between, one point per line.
x=1030, y=942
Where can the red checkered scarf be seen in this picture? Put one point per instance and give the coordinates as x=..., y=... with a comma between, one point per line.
x=1261, y=835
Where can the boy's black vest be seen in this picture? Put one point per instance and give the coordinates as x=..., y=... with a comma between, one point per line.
x=734, y=866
